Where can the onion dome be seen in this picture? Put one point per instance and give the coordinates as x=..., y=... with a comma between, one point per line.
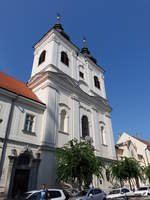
x=58, y=27
x=85, y=51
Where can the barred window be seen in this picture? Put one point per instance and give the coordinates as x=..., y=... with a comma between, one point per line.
x=29, y=120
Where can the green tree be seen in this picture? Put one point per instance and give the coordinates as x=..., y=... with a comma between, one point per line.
x=127, y=170
x=76, y=161
x=147, y=172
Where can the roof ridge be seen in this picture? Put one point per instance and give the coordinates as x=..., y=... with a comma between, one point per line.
x=16, y=86
x=142, y=140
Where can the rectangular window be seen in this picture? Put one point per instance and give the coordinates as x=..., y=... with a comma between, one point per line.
x=103, y=135
x=29, y=120
x=140, y=157
x=81, y=74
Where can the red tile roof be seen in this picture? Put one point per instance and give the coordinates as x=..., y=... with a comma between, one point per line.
x=144, y=141
x=18, y=87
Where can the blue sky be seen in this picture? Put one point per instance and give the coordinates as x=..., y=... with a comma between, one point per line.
x=118, y=35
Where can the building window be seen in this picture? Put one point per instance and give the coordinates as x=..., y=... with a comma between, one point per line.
x=64, y=58
x=85, y=126
x=63, y=121
x=42, y=57
x=29, y=120
x=140, y=157
x=81, y=75
x=96, y=82
x=103, y=135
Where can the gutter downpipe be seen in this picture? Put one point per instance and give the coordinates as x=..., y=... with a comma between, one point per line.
x=7, y=135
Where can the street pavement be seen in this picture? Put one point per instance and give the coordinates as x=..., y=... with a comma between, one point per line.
x=133, y=198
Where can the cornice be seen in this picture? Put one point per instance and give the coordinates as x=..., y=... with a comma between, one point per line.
x=22, y=99
x=72, y=86
x=82, y=82
x=49, y=33
x=88, y=60
x=64, y=105
x=31, y=145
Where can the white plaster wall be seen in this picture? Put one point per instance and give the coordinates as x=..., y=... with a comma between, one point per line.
x=18, y=138
x=139, y=145
x=54, y=96
x=18, y=121
x=20, y=147
x=47, y=169
x=48, y=46
x=4, y=113
x=54, y=45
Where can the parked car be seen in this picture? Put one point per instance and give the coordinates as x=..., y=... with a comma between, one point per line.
x=55, y=194
x=90, y=194
x=143, y=191
x=119, y=192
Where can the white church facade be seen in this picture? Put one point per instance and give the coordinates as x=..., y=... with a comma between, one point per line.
x=67, y=101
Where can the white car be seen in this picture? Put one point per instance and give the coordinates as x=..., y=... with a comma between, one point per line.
x=55, y=194
x=119, y=192
x=143, y=191
x=90, y=194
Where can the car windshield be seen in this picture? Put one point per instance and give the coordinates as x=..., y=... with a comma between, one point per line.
x=142, y=188
x=114, y=192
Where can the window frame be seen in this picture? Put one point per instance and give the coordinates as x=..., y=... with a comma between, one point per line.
x=65, y=126
x=85, y=127
x=97, y=82
x=64, y=58
x=42, y=57
x=29, y=122
x=81, y=74
x=103, y=138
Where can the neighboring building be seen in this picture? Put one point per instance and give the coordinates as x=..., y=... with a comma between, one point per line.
x=133, y=147
x=64, y=99
x=21, y=114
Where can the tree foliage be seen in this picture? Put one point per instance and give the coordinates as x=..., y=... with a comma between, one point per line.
x=147, y=172
x=127, y=169
x=76, y=161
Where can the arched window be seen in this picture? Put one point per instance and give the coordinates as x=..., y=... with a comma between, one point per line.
x=96, y=82
x=64, y=58
x=103, y=135
x=63, y=121
x=85, y=126
x=42, y=57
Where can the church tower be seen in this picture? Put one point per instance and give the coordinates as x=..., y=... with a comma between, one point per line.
x=71, y=84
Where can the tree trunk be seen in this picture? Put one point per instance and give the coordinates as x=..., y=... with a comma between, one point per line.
x=121, y=183
x=130, y=184
x=80, y=184
x=137, y=182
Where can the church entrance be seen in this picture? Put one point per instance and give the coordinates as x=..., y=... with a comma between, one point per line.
x=20, y=183
x=22, y=174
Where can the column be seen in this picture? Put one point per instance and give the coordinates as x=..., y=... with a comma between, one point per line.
x=10, y=175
